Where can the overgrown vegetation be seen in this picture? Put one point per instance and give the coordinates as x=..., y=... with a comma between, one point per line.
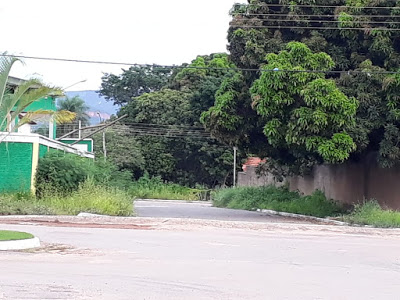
x=370, y=213
x=164, y=108
x=278, y=199
x=6, y=235
x=64, y=173
x=283, y=200
x=89, y=197
x=155, y=188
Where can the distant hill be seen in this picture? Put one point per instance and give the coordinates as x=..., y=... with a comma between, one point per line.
x=97, y=104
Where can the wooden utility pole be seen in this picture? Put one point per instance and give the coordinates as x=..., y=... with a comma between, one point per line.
x=234, y=166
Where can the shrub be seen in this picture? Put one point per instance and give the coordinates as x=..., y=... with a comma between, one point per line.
x=274, y=198
x=371, y=213
x=89, y=197
x=63, y=173
x=155, y=188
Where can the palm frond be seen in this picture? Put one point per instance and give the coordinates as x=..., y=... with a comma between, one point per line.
x=60, y=117
x=31, y=96
x=6, y=64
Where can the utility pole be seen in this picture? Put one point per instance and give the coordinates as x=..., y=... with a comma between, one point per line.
x=104, y=139
x=104, y=146
x=80, y=131
x=234, y=166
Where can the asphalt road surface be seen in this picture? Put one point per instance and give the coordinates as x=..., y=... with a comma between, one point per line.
x=199, y=210
x=263, y=261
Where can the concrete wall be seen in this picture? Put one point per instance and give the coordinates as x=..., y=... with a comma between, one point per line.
x=348, y=183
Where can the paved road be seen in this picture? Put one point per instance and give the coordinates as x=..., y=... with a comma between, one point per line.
x=200, y=210
x=198, y=263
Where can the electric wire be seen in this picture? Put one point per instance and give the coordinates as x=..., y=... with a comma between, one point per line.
x=315, y=6
x=213, y=68
x=314, y=15
x=315, y=21
x=315, y=28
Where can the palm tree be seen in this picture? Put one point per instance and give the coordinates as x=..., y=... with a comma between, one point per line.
x=76, y=105
x=14, y=102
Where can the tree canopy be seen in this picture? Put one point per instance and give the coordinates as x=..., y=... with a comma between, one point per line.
x=135, y=81
x=324, y=92
x=175, y=104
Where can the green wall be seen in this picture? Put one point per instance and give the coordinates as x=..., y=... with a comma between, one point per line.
x=43, y=150
x=47, y=103
x=15, y=166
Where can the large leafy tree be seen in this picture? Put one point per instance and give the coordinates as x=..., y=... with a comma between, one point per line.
x=123, y=150
x=176, y=152
x=300, y=119
x=304, y=116
x=135, y=81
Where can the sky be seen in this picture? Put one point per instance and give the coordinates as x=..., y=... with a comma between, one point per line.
x=133, y=31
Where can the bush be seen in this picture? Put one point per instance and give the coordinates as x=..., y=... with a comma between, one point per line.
x=89, y=197
x=63, y=173
x=279, y=199
x=371, y=213
x=155, y=188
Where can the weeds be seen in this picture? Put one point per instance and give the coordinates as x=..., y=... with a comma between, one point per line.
x=155, y=188
x=370, y=213
x=89, y=197
x=279, y=199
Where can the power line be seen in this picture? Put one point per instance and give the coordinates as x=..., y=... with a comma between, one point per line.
x=123, y=63
x=315, y=6
x=315, y=28
x=225, y=68
x=163, y=125
x=159, y=130
x=318, y=21
x=155, y=134
x=315, y=15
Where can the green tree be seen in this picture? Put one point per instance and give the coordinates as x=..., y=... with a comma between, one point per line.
x=247, y=113
x=77, y=106
x=123, y=150
x=182, y=156
x=135, y=81
x=305, y=117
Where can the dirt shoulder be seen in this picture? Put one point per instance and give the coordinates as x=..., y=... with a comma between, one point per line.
x=137, y=223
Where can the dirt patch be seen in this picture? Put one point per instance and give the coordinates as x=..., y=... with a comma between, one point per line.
x=293, y=228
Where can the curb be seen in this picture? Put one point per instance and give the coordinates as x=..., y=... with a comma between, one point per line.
x=303, y=217
x=173, y=201
x=20, y=244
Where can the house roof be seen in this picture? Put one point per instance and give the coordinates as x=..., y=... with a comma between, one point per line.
x=15, y=81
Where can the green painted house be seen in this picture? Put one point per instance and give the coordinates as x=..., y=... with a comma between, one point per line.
x=20, y=150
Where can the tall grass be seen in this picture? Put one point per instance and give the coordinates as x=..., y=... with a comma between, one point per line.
x=278, y=199
x=89, y=197
x=154, y=188
x=370, y=213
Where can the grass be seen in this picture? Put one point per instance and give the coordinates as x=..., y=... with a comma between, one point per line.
x=89, y=197
x=370, y=213
x=6, y=235
x=155, y=188
x=278, y=199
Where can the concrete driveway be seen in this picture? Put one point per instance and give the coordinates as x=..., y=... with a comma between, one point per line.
x=204, y=260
